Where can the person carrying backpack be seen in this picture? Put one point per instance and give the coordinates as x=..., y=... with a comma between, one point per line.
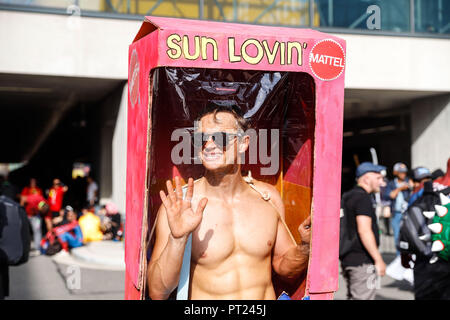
x=14, y=240
x=424, y=242
x=361, y=260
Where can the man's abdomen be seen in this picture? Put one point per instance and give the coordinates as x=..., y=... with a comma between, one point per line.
x=249, y=281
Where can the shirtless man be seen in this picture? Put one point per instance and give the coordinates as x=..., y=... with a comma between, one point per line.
x=237, y=237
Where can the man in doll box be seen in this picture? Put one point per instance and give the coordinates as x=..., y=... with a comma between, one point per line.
x=220, y=236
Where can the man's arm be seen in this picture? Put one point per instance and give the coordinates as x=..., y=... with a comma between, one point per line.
x=364, y=227
x=394, y=193
x=289, y=260
x=295, y=260
x=176, y=220
x=167, y=257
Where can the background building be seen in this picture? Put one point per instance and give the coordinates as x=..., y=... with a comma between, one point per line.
x=64, y=70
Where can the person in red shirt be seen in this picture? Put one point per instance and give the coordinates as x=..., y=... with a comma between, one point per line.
x=36, y=207
x=55, y=201
x=32, y=188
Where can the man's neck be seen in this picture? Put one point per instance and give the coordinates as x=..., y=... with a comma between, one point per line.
x=365, y=187
x=224, y=184
x=399, y=179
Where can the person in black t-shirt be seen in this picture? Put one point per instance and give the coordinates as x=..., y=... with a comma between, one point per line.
x=363, y=265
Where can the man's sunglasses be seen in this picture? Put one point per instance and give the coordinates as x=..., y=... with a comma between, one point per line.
x=221, y=139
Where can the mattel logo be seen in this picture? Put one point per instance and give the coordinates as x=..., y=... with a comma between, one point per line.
x=327, y=60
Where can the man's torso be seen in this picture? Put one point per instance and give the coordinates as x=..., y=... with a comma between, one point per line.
x=231, y=249
x=55, y=198
x=32, y=204
x=360, y=202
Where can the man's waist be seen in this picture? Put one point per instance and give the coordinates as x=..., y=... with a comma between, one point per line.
x=236, y=283
x=259, y=292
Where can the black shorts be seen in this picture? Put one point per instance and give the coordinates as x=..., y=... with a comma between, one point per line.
x=55, y=214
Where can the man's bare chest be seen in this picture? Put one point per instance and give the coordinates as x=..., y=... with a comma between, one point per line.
x=246, y=230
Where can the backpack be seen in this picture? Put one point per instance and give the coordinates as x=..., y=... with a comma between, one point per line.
x=414, y=224
x=14, y=232
x=347, y=233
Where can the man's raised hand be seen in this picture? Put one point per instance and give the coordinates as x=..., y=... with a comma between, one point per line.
x=182, y=219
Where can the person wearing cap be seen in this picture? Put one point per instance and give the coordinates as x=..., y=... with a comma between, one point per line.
x=363, y=264
x=398, y=190
x=420, y=176
x=431, y=277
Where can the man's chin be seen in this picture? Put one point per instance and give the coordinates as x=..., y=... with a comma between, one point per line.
x=211, y=166
x=216, y=166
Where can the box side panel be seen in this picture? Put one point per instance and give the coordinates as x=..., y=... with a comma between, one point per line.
x=324, y=261
x=142, y=58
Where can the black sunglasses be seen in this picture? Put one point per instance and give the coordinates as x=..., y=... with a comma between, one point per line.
x=221, y=139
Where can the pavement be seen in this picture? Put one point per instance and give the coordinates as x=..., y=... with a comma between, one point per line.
x=101, y=255
x=95, y=271
x=389, y=288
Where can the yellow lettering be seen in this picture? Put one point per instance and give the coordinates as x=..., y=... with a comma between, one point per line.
x=259, y=55
x=298, y=47
x=231, y=56
x=271, y=55
x=205, y=42
x=186, y=53
x=174, y=51
x=282, y=52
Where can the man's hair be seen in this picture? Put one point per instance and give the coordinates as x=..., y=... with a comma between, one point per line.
x=233, y=108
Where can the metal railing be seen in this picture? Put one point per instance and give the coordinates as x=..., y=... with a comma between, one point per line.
x=396, y=17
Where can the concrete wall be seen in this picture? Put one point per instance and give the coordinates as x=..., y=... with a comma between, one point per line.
x=397, y=63
x=109, y=119
x=430, y=132
x=49, y=44
x=119, y=154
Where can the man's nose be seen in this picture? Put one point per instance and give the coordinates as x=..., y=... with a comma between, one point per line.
x=210, y=144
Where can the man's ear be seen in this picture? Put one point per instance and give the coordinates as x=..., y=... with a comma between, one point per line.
x=243, y=144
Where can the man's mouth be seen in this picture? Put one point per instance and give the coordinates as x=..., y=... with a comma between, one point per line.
x=212, y=156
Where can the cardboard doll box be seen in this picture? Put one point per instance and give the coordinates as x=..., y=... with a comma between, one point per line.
x=313, y=66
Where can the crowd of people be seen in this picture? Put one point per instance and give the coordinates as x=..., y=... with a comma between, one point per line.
x=55, y=224
x=360, y=256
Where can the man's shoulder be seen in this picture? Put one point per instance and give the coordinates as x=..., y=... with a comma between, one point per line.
x=264, y=186
x=357, y=192
x=272, y=191
x=357, y=195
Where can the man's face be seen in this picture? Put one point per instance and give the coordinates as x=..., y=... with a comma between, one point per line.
x=214, y=156
x=71, y=216
x=375, y=181
x=56, y=182
x=32, y=183
x=400, y=175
